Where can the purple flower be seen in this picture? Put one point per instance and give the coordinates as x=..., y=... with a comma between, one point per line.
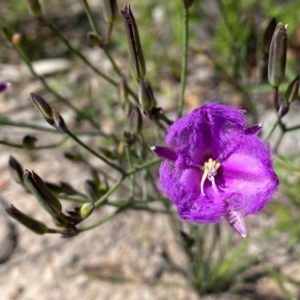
x=215, y=167
x=3, y=86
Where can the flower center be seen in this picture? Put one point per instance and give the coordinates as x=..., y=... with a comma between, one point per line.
x=209, y=170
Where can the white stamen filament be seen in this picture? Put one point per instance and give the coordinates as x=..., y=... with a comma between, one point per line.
x=209, y=172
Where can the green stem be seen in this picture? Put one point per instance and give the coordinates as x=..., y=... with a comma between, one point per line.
x=21, y=146
x=185, y=41
x=100, y=222
x=103, y=158
x=24, y=57
x=143, y=166
x=132, y=179
x=79, y=54
x=273, y=129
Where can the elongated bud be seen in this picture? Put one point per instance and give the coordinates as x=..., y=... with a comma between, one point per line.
x=41, y=192
x=277, y=56
x=96, y=39
x=59, y=122
x=110, y=9
x=4, y=86
x=43, y=107
x=292, y=90
x=16, y=170
x=283, y=108
x=32, y=224
x=35, y=8
x=136, y=56
x=146, y=97
x=85, y=210
x=136, y=120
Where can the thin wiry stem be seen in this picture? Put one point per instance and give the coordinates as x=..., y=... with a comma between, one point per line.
x=185, y=42
x=100, y=156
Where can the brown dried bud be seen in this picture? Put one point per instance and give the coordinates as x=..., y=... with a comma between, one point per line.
x=292, y=90
x=16, y=38
x=44, y=108
x=136, y=56
x=16, y=170
x=146, y=97
x=277, y=56
x=41, y=192
x=32, y=224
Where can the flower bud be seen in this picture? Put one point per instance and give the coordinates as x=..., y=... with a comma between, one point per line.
x=110, y=8
x=44, y=108
x=32, y=224
x=292, y=90
x=136, y=120
x=283, y=108
x=16, y=38
x=277, y=56
x=35, y=7
x=29, y=142
x=146, y=97
x=85, y=210
x=95, y=39
x=59, y=122
x=136, y=56
x=4, y=86
x=44, y=196
x=16, y=170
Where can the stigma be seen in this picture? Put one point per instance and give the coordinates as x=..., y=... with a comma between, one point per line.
x=209, y=170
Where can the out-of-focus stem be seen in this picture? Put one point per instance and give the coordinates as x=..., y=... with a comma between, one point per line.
x=79, y=54
x=185, y=42
x=101, y=157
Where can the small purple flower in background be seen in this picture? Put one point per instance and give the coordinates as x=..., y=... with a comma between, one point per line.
x=215, y=167
x=4, y=86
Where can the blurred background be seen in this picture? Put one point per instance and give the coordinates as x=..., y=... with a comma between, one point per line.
x=128, y=257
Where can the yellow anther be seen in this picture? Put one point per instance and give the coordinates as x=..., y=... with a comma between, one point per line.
x=209, y=172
